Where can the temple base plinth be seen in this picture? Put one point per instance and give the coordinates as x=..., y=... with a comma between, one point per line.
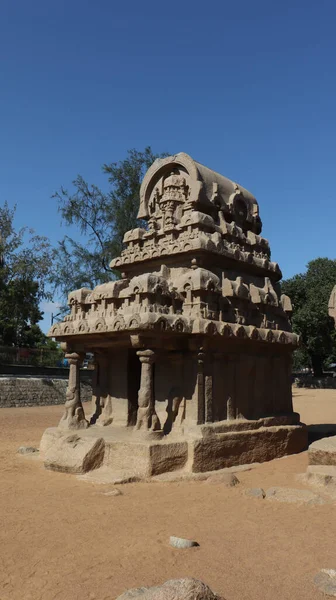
x=202, y=448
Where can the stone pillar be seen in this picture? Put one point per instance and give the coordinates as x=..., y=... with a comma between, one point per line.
x=269, y=383
x=105, y=417
x=73, y=417
x=95, y=402
x=230, y=409
x=288, y=360
x=147, y=417
x=245, y=378
x=179, y=402
x=231, y=406
x=208, y=390
x=200, y=388
x=261, y=390
x=176, y=402
x=218, y=387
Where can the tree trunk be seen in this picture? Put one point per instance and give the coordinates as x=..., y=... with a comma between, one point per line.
x=317, y=365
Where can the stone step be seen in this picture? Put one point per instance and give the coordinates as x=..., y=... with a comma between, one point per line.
x=323, y=452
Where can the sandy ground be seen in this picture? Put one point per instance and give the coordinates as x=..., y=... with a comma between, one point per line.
x=62, y=538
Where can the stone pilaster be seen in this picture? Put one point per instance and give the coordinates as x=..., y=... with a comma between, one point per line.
x=176, y=402
x=73, y=417
x=95, y=401
x=147, y=417
x=231, y=410
x=200, y=388
x=208, y=389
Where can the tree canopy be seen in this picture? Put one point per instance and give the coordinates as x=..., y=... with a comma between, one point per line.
x=25, y=262
x=102, y=218
x=309, y=293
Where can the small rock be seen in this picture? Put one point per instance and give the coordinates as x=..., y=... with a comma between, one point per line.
x=325, y=581
x=256, y=492
x=227, y=479
x=114, y=492
x=175, y=589
x=27, y=450
x=177, y=542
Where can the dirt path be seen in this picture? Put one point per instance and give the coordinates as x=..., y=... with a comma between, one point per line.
x=64, y=539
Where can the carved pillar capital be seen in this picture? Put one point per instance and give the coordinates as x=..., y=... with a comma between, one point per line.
x=74, y=358
x=146, y=356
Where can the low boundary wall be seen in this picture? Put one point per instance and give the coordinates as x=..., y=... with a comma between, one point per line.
x=38, y=391
x=308, y=381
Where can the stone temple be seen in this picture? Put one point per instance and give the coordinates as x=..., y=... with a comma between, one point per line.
x=321, y=468
x=192, y=345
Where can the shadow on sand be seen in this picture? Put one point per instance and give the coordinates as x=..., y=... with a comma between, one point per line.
x=321, y=430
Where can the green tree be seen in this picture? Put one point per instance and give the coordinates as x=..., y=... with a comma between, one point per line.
x=25, y=262
x=309, y=293
x=101, y=219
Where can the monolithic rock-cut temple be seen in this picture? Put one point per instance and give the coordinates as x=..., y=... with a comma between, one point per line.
x=192, y=345
x=321, y=468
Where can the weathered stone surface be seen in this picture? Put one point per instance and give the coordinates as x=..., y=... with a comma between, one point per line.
x=256, y=492
x=143, y=455
x=73, y=454
x=324, y=475
x=37, y=391
x=184, y=475
x=282, y=494
x=226, y=479
x=167, y=457
x=325, y=581
x=178, y=542
x=27, y=450
x=228, y=449
x=323, y=452
x=175, y=589
x=49, y=438
x=106, y=474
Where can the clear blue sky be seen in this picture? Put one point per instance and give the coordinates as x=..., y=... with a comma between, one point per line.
x=247, y=88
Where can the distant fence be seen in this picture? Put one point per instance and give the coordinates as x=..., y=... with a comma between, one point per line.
x=35, y=357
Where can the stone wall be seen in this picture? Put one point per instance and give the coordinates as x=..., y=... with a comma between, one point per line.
x=37, y=391
x=30, y=370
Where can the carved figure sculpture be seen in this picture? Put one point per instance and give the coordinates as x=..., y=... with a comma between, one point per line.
x=73, y=417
